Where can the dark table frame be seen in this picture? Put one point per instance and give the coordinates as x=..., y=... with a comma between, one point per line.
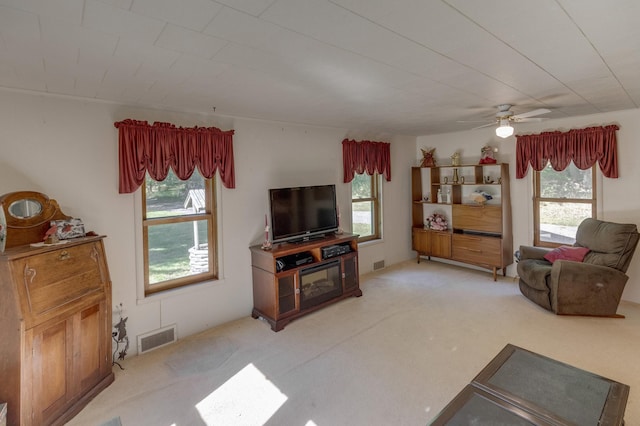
x=611, y=415
x=456, y=405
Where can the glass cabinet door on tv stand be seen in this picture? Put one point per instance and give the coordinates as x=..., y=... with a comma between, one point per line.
x=287, y=297
x=284, y=290
x=350, y=272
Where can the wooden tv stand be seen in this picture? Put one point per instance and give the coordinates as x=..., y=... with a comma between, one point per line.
x=294, y=279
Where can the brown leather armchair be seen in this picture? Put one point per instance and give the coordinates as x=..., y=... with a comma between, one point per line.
x=591, y=287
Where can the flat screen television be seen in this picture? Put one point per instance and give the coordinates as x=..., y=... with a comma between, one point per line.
x=303, y=212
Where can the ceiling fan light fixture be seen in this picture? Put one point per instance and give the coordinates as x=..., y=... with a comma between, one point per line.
x=504, y=130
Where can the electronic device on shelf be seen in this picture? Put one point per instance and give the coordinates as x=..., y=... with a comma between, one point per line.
x=293, y=261
x=335, y=250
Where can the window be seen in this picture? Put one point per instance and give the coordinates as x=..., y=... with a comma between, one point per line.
x=561, y=201
x=178, y=228
x=365, y=206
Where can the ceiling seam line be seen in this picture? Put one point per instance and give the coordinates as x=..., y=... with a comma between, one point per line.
x=521, y=54
x=604, y=62
x=452, y=59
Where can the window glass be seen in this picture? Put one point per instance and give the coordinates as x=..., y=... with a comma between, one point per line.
x=361, y=186
x=562, y=201
x=178, y=232
x=569, y=183
x=559, y=221
x=365, y=208
x=174, y=197
x=172, y=251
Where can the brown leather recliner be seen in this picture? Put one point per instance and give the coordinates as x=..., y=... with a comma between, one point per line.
x=591, y=287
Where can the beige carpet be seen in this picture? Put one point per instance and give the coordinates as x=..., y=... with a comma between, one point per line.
x=395, y=356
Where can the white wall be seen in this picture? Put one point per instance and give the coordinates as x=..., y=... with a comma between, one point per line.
x=67, y=149
x=619, y=198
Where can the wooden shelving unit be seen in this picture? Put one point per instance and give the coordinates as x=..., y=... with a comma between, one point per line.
x=478, y=234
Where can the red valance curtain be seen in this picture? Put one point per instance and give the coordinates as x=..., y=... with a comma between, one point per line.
x=582, y=146
x=366, y=156
x=154, y=148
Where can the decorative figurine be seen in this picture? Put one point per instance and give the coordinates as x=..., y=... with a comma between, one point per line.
x=455, y=159
x=487, y=155
x=51, y=236
x=480, y=196
x=428, y=159
x=339, y=231
x=266, y=245
x=119, y=336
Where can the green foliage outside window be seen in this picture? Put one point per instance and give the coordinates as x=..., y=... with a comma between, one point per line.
x=364, y=203
x=569, y=183
x=566, y=198
x=172, y=189
x=170, y=235
x=361, y=186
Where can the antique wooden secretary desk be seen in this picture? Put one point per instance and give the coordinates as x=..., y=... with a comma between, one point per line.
x=55, y=316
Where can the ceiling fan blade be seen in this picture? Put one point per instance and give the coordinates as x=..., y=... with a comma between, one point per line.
x=532, y=113
x=524, y=120
x=484, y=125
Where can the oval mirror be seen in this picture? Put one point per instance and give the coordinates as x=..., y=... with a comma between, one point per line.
x=25, y=208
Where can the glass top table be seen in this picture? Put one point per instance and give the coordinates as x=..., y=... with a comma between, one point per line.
x=531, y=389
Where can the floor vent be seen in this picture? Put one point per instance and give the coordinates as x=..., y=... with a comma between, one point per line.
x=378, y=265
x=156, y=339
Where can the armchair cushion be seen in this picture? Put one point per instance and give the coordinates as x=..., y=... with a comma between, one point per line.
x=536, y=273
x=535, y=280
x=611, y=244
x=575, y=254
x=531, y=252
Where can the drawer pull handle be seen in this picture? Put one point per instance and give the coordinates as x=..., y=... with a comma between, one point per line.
x=64, y=255
x=29, y=273
x=470, y=249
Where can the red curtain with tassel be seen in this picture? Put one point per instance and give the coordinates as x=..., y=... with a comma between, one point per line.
x=366, y=157
x=158, y=147
x=582, y=146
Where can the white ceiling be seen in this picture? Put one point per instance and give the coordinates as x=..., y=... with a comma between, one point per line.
x=411, y=67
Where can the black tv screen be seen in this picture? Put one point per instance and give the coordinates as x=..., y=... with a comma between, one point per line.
x=302, y=212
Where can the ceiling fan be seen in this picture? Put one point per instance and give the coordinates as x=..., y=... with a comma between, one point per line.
x=504, y=118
